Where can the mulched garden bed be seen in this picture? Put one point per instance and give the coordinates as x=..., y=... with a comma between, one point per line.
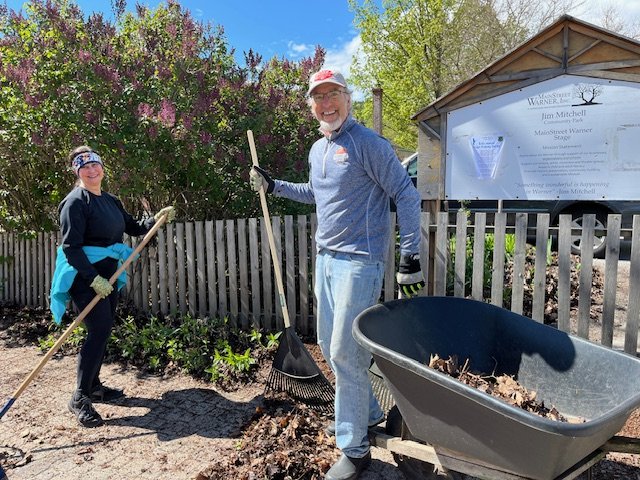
x=282, y=441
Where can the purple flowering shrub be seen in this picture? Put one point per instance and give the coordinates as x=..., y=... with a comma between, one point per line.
x=159, y=95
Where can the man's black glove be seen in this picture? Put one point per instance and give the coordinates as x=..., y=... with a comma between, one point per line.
x=260, y=178
x=409, y=276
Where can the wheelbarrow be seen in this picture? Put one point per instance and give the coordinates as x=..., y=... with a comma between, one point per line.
x=444, y=425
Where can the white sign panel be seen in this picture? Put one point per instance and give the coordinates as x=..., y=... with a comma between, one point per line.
x=568, y=138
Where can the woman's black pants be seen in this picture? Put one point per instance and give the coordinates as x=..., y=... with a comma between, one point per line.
x=98, y=323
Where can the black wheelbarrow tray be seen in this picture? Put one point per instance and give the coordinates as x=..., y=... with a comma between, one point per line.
x=580, y=379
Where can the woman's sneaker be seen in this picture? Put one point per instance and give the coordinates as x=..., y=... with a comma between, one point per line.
x=102, y=393
x=82, y=408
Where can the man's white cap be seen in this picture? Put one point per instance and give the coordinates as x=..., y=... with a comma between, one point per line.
x=326, y=76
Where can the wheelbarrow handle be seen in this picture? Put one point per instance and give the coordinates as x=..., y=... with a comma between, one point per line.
x=81, y=316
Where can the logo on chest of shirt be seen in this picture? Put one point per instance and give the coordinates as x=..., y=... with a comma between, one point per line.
x=341, y=156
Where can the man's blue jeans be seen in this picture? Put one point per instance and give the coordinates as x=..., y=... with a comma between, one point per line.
x=346, y=284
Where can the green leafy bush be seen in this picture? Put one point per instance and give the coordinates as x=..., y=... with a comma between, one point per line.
x=73, y=343
x=203, y=347
x=237, y=364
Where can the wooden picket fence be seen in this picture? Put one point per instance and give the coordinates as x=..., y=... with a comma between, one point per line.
x=223, y=268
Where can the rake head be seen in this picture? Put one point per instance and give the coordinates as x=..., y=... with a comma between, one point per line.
x=316, y=392
x=295, y=372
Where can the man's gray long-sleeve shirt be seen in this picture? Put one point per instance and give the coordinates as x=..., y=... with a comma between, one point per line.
x=353, y=174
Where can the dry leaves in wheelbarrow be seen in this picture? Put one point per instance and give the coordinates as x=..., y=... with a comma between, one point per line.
x=282, y=441
x=504, y=387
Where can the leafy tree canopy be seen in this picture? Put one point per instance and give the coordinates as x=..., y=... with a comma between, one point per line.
x=418, y=50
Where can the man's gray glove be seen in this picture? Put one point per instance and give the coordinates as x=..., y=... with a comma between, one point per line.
x=260, y=178
x=409, y=276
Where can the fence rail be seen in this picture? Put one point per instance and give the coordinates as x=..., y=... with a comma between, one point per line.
x=223, y=268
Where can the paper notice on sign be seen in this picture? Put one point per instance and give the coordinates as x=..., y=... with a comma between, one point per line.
x=486, y=154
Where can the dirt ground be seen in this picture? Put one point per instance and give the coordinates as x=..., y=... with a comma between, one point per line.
x=170, y=426
x=173, y=426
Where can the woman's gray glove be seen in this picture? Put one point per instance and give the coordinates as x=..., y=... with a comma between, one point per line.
x=170, y=212
x=101, y=286
x=260, y=178
x=409, y=276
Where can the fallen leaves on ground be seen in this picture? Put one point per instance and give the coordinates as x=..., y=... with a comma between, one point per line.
x=282, y=441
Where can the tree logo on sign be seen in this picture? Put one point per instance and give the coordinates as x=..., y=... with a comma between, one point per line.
x=587, y=92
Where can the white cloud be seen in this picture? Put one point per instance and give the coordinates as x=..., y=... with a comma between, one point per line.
x=591, y=10
x=299, y=50
x=341, y=59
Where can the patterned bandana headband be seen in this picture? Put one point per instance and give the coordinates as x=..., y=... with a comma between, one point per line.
x=83, y=158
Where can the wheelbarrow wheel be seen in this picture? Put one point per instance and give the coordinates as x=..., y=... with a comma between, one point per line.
x=412, y=468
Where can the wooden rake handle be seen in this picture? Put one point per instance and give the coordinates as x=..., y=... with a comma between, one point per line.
x=81, y=317
x=272, y=244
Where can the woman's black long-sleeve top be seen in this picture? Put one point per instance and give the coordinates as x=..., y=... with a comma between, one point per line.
x=97, y=220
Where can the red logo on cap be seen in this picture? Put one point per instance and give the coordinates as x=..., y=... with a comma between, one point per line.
x=322, y=75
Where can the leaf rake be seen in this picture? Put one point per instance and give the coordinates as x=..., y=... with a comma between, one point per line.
x=294, y=371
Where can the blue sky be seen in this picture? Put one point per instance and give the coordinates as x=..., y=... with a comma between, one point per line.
x=292, y=28
x=289, y=28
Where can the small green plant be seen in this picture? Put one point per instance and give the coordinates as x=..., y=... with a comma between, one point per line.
x=190, y=346
x=124, y=339
x=203, y=347
x=509, y=246
x=273, y=340
x=73, y=342
x=229, y=362
x=256, y=336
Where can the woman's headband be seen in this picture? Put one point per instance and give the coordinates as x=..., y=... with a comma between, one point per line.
x=83, y=158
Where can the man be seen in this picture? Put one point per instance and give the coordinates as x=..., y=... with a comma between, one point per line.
x=353, y=174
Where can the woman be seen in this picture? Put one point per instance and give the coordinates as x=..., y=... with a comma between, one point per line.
x=92, y=224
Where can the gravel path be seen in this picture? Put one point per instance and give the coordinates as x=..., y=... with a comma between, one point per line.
x=166, y=427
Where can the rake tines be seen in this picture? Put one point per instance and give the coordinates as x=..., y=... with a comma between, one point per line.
x=294, y=372
x=380, y=388
x=315, y=391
